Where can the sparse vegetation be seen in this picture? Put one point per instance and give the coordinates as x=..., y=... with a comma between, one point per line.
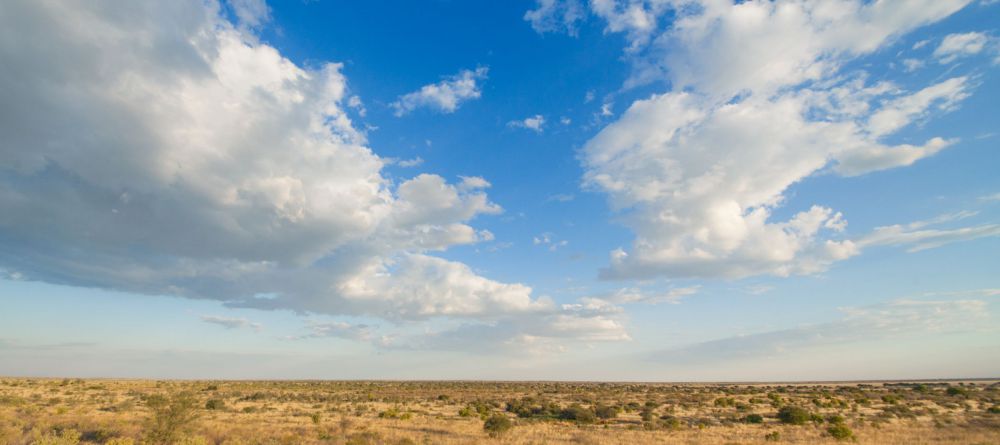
x=85, y=412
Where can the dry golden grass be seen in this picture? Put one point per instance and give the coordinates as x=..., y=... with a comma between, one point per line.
x=118, y=412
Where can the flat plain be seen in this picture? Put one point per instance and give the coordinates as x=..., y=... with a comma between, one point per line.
x=122, y=412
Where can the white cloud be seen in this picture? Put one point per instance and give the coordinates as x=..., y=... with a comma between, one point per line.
x=556, y=16
x=911, y=65
x=698, y=171
x=231, y=322
x=635, y=18
x=955, y=46
x=251, y=13
x=544, y=333
x=546, y=239
x=895, y=319
x=156, y=148
x=919, y=237
x=405, y=163
x=534, y=123
x=636, y=295
x=723, y=48
x=989, y=198
x=336, y=329
x=444, y=96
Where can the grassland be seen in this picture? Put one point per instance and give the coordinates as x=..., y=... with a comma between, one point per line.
x=121, y=412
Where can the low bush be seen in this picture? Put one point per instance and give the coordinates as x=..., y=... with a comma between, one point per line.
x=606, y=412
x=753, y=418
x=497, y=425
x=794, y=415
x=577, y=413
x=215, y=404
x=170, y=418
x=840, y=432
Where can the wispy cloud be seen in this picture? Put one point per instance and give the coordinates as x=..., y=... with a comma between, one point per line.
x=231, y=322
x=857, y=324
x=534, y=123
x=918, y=237
x=444, y=96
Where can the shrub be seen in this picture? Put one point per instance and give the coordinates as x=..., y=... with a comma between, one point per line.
x=670, y=422
x=773, y=436
x=578, y=413
x=840, y=432
x=725, y=401
x=67, y=436
x=794, y=415
x=956, y=391
x=497, y=425
x=753, y=418
x=606, y=412
x=214, y=404
x=647, y=413
x=995, y=409
x=170, y=417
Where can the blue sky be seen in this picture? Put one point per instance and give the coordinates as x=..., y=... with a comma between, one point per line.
x=550, y=189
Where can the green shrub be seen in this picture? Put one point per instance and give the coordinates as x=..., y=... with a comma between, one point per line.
x=794, y=415
x=497, y=425
x=578, y=413
x=753, y=418
x=956, y=391
x=170, y=418
x=773, y=436
x=995, y=409
x=670, y=422
x=840, y=432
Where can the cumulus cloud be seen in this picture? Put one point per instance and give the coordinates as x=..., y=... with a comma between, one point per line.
x=586, y=321
x=757, y=105
x=157, y=148
x=556, y=16
x=444, y=96
x=534, y=123
x=232, y=322
x=955, y=46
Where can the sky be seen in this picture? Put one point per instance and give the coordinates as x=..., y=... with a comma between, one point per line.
x=651, y=190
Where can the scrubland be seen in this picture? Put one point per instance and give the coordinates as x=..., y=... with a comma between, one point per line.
x=122, y=412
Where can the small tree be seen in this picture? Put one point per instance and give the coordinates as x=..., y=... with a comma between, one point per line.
x=578, y=413
x=170, y=418
x=793, y=415
x=497, y=425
